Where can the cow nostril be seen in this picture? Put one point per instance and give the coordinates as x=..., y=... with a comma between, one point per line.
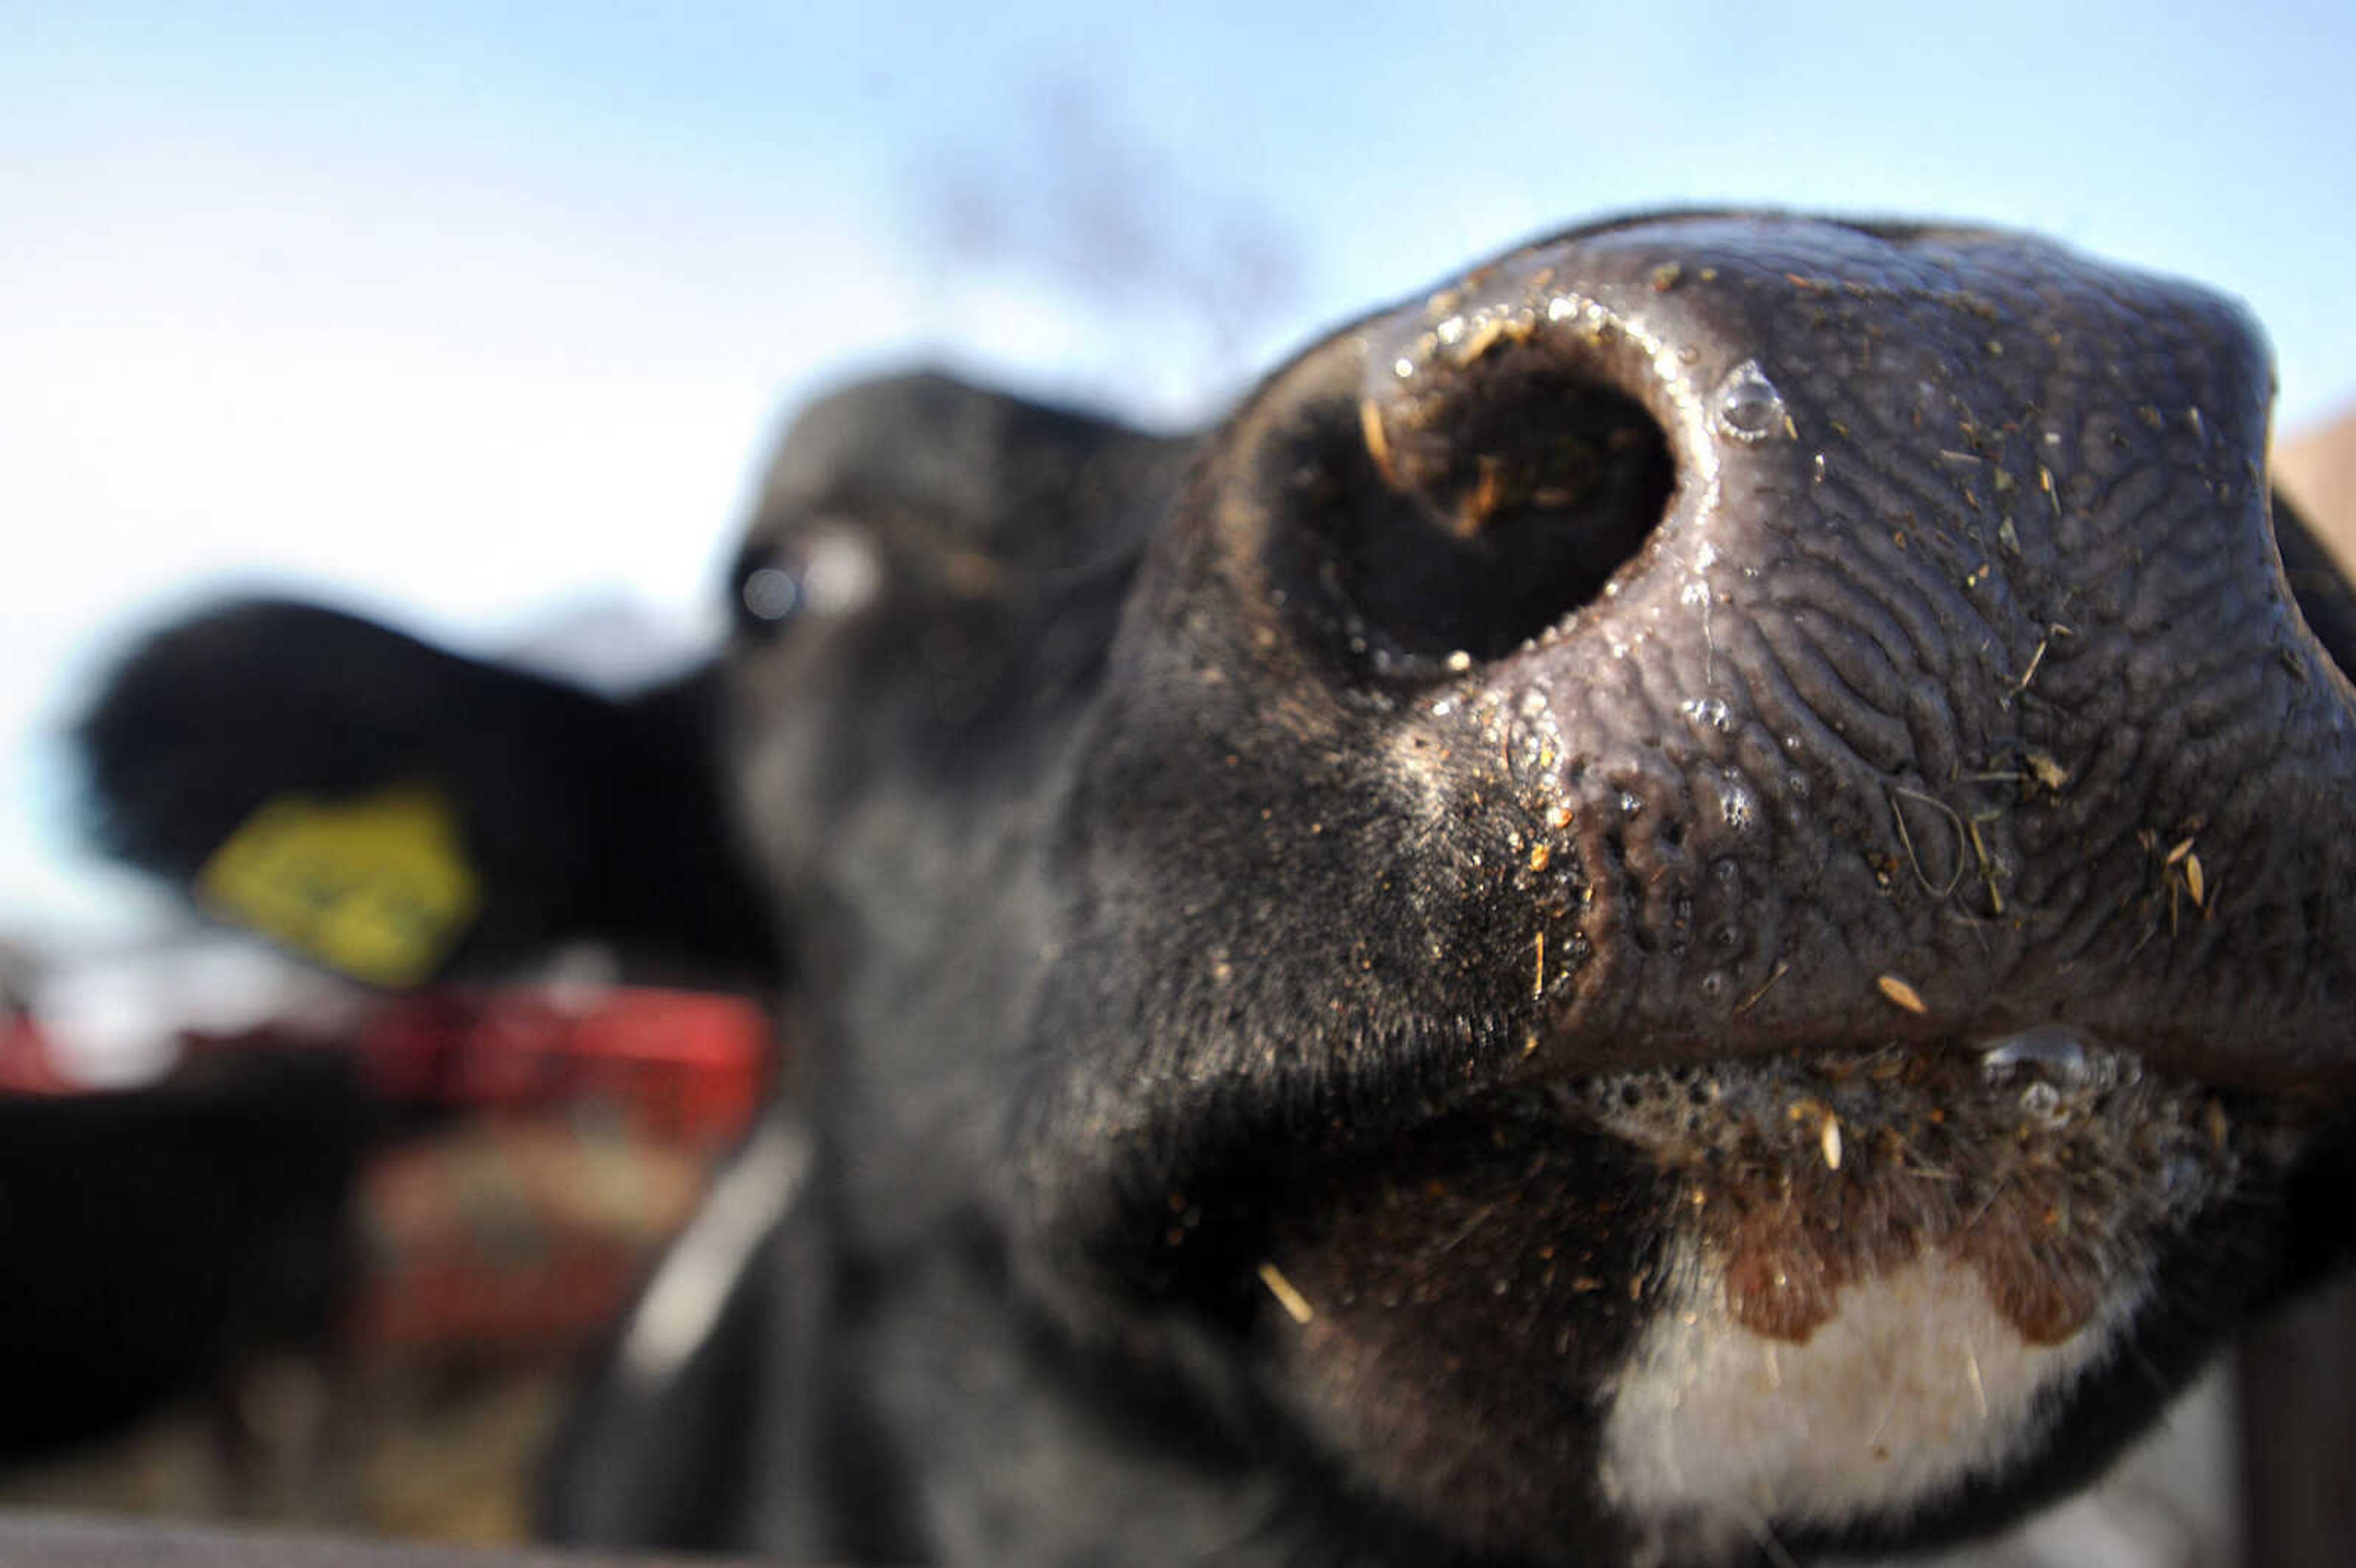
x=1480, y=513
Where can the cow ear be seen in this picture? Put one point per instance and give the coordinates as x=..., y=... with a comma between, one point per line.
x=402, y=814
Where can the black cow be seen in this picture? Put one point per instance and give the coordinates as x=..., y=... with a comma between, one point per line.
x=157, y=1243
x=1693, y=900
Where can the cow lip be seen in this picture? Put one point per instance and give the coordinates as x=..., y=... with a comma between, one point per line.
x=1427, y=1276
x=2046, y=1071
x=1841, y=1105
x=1781, y=1153
x=1205, y=1207
x=2244, y=1065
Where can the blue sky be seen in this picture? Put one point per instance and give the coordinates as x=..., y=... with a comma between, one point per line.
x=469, y=314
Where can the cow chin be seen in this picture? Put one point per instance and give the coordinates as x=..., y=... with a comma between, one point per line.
x=1812, y=1296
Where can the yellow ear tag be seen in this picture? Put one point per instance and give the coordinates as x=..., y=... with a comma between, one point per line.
x=377, y=887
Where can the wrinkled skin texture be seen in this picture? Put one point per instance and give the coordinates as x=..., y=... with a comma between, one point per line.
x=1697, y=891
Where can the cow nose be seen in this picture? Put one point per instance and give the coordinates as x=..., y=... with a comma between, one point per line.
x=1887, y=618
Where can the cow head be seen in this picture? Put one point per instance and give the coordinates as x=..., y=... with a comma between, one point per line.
x=1696, y=889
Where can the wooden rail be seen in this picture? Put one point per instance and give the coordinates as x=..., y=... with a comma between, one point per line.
x=64, y=1540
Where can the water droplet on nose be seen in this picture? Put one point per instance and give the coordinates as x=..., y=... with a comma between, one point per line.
x=1748, y=407
x=1739, y=805
x=1706, y=712
x=2050, y=1050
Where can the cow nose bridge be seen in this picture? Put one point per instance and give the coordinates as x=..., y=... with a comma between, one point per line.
x=1879, y=604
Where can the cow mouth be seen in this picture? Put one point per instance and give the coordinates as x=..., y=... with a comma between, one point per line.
x=1458, y=1309
x=2030, y=1161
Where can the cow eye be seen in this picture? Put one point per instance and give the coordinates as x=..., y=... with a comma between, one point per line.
x=768, y=593
x=768, y=596
x=826, y=571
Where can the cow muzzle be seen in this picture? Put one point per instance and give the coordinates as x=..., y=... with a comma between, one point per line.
x=1900, y=880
